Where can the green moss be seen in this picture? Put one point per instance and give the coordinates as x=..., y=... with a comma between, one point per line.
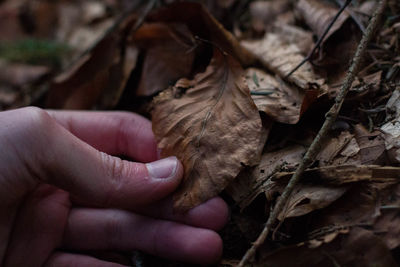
x=34, y=51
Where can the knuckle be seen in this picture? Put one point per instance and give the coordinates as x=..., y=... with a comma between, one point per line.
x=115, y=171
x=36, y=118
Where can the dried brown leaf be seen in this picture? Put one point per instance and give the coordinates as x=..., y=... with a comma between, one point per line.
x=307, y=198
x=282, y=102
x=169, y=55
x=214, y=128
x=202, y=24
x=280, y=57
x=19, y=74
x=319, y=14
x=250, y=184
x=96, y=78
x=358, y=248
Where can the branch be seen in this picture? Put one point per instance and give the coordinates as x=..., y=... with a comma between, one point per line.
x=319, y=42
x=316, y=144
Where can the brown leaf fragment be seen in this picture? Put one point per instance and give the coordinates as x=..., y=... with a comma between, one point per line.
x=214, y=128
x=338, y=175
x=20, y=74
x=264, y=13
x=282, y=102
x=202, y=24
x=170, y=53
x=358, y=248
x=307, y=198
x=372, y=146
x=332, y=147
x=391, y=129
x=319, y=14
x=280, y=57
x=98, y=77
x=250, y=184
x=339, y=45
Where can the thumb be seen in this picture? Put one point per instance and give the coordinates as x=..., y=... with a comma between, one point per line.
x=55, y=156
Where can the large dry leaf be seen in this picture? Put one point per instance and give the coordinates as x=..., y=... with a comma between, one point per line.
x=282, y=102
x=214, y=128
x=281, y=57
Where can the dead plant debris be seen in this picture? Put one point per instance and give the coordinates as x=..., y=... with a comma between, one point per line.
x=213, y=77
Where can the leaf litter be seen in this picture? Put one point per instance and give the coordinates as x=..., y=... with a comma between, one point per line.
x=213, y=79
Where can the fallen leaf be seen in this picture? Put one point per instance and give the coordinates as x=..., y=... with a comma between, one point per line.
x=281, y=57
x=213, y=127
x=18, y=75
x=282, y=102
x=169, y=55
x=307, y=198
x=391, y=129
x=98, y=77
x=332, y=148
x=318, y=15
x=372, y=145
x=203, y=25
x=358, y=248
x=264, y=13
x=250, y=184
x=338, y=175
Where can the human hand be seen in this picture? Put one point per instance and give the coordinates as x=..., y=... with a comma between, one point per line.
x=61, y=191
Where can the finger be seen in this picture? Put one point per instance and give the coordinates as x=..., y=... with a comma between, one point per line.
x=51, y=154
x=116, y=133
x=95, y=229
x=38, y=227
x=212, y=214
x=60, y=259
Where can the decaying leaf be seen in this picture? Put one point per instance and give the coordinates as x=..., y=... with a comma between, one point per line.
x=20, y=74
x=307, y=198
x=264, y=13
x=338, y=175
x=250, y=184
x=332, y=147
x=281, y=57
x=212, y=125
x=358, y=248
x=391, y=129
x=98, y=77
x=318, y=15
x=203, y=25
x=279, y=100
x=170, y=53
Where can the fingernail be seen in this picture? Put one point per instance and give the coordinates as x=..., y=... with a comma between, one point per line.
x=162, y=169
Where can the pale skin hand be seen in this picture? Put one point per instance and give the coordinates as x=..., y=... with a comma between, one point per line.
x=61, y=191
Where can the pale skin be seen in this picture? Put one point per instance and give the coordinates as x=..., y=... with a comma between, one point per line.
x=63, y=192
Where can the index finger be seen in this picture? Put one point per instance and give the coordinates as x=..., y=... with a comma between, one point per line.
x=116, y=133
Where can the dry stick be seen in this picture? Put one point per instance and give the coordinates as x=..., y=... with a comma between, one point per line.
x=315, y=145
x=319, y=42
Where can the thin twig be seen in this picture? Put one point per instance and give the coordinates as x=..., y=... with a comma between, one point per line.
x=320, y=40
x=316, y=144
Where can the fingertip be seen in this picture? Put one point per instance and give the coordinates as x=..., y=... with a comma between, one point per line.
x=213, y=214
x=207, y=247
